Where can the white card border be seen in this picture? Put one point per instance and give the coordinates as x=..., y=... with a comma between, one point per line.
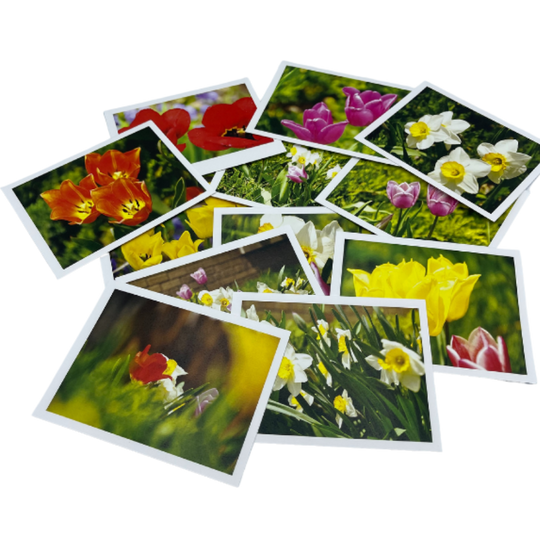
x=217, y=163
x=530, y=376
x=501, y=209
x=435, y=445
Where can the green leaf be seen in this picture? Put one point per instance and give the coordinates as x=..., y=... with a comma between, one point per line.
x=91, y=245
x=179, y=193
x=277, y=407
x=327, y=270
x=387, y=327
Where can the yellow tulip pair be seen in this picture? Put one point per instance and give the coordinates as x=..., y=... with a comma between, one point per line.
x=446, y=287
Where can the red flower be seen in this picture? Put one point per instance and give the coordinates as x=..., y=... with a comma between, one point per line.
x=225, y=127
x=113, y=165
x=129, y=203
x=148, y=368
x=174, y=123
x=73, y=203
x=192, y=192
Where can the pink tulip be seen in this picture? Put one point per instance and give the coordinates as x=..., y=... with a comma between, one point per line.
x=480, y=351
x=362, y=108
x=184, y=292
x=439, y=203
x=200, y=276
x=296, y=174
x=318, y=126
x=204, y=399
x=403, y=195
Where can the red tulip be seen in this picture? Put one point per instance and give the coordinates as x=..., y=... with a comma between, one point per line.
x=113, y=165
x=147, y=368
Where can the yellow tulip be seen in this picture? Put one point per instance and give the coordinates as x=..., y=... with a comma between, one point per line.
x=143, y=251
x=220, y=203
x=201, y=220
x=181, y=247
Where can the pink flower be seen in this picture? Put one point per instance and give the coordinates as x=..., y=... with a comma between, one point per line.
x=204, y=399
x=296, y=174
x=403, y=195
x=362, y=108
x=480, y=351
x=184, y=292
x=324, y=286
x=318, y=126
x=200, y=276
x=440, y=204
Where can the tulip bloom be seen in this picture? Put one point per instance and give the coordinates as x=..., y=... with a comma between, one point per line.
x=439, y=203
x=403, y=195
x=201, y=217
x=204, y=399
x=128, y=203
x=362, y=108
x=73, y=203
x=480, y=351
x=147, y=368
x=113, y=165
x=296, y=174
x=224, y=127
x=174, y=123
x=143, y=251
x=185, y=292
x=200, y=276
x=181, y=247
x=318, y=126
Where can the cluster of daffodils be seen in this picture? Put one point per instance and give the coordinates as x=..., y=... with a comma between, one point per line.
x=304, y=162
x=458, y=171
x=446, y=287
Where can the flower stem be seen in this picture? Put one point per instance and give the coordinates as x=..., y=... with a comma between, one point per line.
x=400, y=215
x=433, y=225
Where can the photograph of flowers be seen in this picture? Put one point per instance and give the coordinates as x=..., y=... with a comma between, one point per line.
x=324, y=109
x=203, y=125
x=457, y=148
x=475, y=307
x=271, y=262
x=387, y=198
x=144, y=375
x=353, y=372
x=89, y=203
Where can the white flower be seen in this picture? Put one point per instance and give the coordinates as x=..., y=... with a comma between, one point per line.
x=264, y=288
x=293, y=402
x=303, y=156
x=399, y=366
x=333, y=172
x=168, y=387
x=504, y=159
x=318, y=246
x=325, y=373
x=251, y=314
x=347, y=356
x=219, y=299
x=289, y=286
x=266, y=196
x=344, y=405
x=322, y=330
x=269, y=222
x=291, y=371
x=458, y=172
x=426, y=132
x=452, y=128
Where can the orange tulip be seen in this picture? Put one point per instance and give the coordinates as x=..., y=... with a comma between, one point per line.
x=73, y=203
x=113, y=165
x=128, y=203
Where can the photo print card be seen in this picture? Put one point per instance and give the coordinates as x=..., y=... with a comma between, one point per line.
x=356, y=372
x=388, y=200
x=140, y=376
x=322, y=109
x=474, y=298
x=315, y=229
x=91, y=203
x=207, y=126
x=461, y=150
x=270, y=262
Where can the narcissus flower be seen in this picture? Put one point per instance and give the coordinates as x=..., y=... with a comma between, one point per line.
x=220, y=299
x=399, y=365
x=269, y=222
x=143, y=251
x=293, y=402
x=318, y=246
x=318, y=126
x=304, y=157
x=325, y=373
x=174, y=123
x=73, y=203
x=225, y=127
x=344, y=404
x=264, y=288
x=403, y=195
x=291, y=371
x=128, y=203
x=504, y=160
x=113, y=165
x=200, y=276
x=426, y=132
x=453, y=128
x=181, y=247
x=347, y=356
x=362, y=108
x=322, y=331
x=296, y=174
x=439, y=203
x=185, y=292
x=458, y=172
x=480, y=351
x=333, y=172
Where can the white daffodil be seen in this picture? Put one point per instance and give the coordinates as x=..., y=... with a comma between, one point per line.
x=344, y=405
x=322, y=330
x=458, y=172
x=318, y=246
x=452, y=128
x=264, y=288
x=504, y=159
x=289, y=286
x=269, y=222
x=333, y=172
x=325, y=373
x=251, y=314
x=266, y=196
x=347, y=356
x=303, y=156
x=291, y=371
x=293, y=402
x=426, y=132
x=219, y=299
x=399, y=366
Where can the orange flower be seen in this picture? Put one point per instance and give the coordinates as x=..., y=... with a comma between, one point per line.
x=73, y=203
x=129, y=203
x=113, y=165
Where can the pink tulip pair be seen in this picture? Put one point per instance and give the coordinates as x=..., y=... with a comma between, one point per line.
x=405, y=195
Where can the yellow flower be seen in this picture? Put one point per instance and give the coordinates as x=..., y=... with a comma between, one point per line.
x=143, y=251
x=201, y=218
x=181, y=247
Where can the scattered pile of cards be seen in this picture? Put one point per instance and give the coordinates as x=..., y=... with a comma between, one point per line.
x=296, y=268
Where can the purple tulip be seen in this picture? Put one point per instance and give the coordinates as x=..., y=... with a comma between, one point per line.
x=439, y=203
x=318, y=126
x=362, y=108
x=296, y=174
x=200, y=276
x=184, y=292
x=204, y=399
x=403, y=195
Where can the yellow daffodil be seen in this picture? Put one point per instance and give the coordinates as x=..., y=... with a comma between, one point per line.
x=143, y=251
x=181, y=247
